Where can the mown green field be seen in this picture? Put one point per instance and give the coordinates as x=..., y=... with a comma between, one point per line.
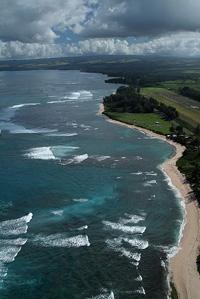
x=188, y=109
x=177, y=84
x=143, y=120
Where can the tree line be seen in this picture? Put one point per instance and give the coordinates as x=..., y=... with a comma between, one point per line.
x=190, y=93
x=128, y=99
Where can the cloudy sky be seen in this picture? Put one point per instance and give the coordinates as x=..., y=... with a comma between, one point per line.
x=53, y=28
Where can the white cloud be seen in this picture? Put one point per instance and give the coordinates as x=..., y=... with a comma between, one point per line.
x=39, y=28
x=40, y=21
x=180, y=44
x=19, y=50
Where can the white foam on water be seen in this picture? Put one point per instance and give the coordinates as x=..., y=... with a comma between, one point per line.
x=56, y=102
x=133, y=256
x=77, y=159
x=83, y=227
x=150, y=183
x=140, y=244
x=163, y=265
x=140, y=290
x=172, y=187
x=138, y=158
x=17, y=242
x=130, y=255
x=137, y=173
x=74, y=96
x=61, y=151
x=61, y=240
x=105, y=296
x=15, y=226
x=134, y=242
x=151, y=173
x=80, y=95
x=116, y=246
x=62, y=134
x=72, y=124
x=132, y=219
x=86, y=93
x=173, y=250
x=80, y=199
x=3, y=271
x=139, y=278
x=85, y=126
x=9, y=248
x=50, y=152
x=125, y=228
x=23, y=105
x=58, y=212
x=41, y=153
x=9, y=253
x=102, y=158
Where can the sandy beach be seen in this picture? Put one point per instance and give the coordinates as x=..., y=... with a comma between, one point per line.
x=182, y=267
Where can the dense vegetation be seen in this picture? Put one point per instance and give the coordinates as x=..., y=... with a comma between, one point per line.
x=189, y=164
x=190, y=92
x=128, y=99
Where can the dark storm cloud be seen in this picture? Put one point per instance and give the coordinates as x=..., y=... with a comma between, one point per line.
x=115, y=18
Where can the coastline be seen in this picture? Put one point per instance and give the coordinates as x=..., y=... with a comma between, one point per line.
x=182, y=267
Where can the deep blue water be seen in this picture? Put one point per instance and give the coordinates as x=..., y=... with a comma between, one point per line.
x=85, y=211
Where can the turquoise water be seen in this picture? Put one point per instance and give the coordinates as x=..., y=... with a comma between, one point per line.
x=85, y=211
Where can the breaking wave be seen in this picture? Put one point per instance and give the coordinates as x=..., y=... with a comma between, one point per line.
x=49, y=152
x=125, y=228
x=150, y=183
x=115, y=246
x=104, y=296
x=132, y=219
x=139, y=278
x=80, y=199
x=41, y=153
x=62, y=134
x=76, y=159
x=9, y=248
x=15, y=226
x=61, y=240
x=141, y=290
x=23, y=105
x=58, y=212
x=80, y=95
x=135, y=242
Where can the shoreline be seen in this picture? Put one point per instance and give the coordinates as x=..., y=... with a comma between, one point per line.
x=182, y=267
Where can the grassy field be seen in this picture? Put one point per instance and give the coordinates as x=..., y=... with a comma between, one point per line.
x=143, y=120
x=176, y=84
x=189, y=110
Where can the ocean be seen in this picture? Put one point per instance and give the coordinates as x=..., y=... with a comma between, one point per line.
x=85, y=211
